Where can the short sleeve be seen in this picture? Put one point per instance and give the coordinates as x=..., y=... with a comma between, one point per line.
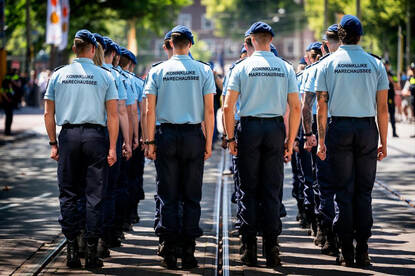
x=235, y=80
x=225, y=83
x=151, y=84
x=209, y=86
x=50, y=89
x=309, y=85
x=122, y=92
x=320, y=80
x=292, y=81
x=112, y=93
x=383, y=81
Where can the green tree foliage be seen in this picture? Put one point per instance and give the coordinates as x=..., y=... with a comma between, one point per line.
x=233, y=17
x=380, y=19
x=104, y=16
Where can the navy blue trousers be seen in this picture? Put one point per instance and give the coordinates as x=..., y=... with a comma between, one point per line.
x=179, y=165
x=82, y=172
x=135, y=182
x=261, y=170
x=352, y=145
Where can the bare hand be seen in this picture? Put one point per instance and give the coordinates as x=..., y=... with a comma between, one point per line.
x=311, y=142
x=224, y=143
x=112, y=157
x=151, y=152
x=208, y=152
x=382, y=153
x=233, y=148
x=54, y=153
x=126, y=151
x=296, y=146
x=322, y=151
x=135, y=143
x=288, y=152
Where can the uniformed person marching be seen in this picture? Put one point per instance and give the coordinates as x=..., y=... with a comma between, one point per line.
x=83, y=97
x=323, y=196
x=264, y=84
x=352, y=85
x=180, y=96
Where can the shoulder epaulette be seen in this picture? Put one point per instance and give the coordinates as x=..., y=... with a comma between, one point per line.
x=157, y=63
x=375, y=56
x=59, y=67
x=299, y=73
x=203, y=62
x=236, y=62
x=106, y=69
x=286, y=60
x=323, y=57
x=116, y=69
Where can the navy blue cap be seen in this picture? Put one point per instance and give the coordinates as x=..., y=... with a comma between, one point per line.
x=126, y=53
x=243, y=49
x=309, y=46
x=302, y=61
x=260, y=27
x=101, y=40
x=168, y=35
x=86, y=36
x=112, y=45
x=333, y=28
x=352, y=24
x=274, y=50
x=131, y=56
x=316, y=46
x=184, y=31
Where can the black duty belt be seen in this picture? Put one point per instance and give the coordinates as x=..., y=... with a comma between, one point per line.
x=83, y=125
x=250, y=118
x=342, y=118
x=181, y=126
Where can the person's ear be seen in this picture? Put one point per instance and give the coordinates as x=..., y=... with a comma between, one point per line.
x=171, y=43
x=74, y=49
x=93, y=50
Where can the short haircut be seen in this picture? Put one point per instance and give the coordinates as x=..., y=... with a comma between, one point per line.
x=124, y=61
x=348, y=37
x=316, y=54
x=332, y=37
x=81, y=45
x=262, y=37
x=99, y=55
x=167, y=44
x=180, y=41
x=108, y=51
x=248, y=41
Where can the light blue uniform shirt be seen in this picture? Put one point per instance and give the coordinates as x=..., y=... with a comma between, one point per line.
x=80, y=91
x=122, y=93
x=131, y=96
x=180, y=84
x=225, y=89
x=263, y=82
x=352, y=78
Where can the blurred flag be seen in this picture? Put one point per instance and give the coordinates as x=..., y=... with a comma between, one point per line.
x=53, y=23
x=64, y=24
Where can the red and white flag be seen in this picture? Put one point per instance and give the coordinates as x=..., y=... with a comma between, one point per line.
x=64, y=23
x=53, y=23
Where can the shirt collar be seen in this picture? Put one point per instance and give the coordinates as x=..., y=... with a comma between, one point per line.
x=181, y=57
x=262, y=53
x=351, y=47
x=84, y=60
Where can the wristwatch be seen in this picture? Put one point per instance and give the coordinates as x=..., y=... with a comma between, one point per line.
x=150, y=142
x=230, y=140
x=53, y=143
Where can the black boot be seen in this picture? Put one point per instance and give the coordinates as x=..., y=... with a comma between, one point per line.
x=72, y=252
x=330, y=246
x=249, y=254
x=346, y=256
x=91, y=258
x=81, y=244
x=188, y=259
x=169, y=254
x=320, y=239
x=102, y=249
x=271, y=251
x=362, y=255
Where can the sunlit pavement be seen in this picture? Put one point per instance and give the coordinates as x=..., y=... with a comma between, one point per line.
x=29, y=211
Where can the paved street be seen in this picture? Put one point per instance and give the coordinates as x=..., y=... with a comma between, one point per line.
x=29, y=211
